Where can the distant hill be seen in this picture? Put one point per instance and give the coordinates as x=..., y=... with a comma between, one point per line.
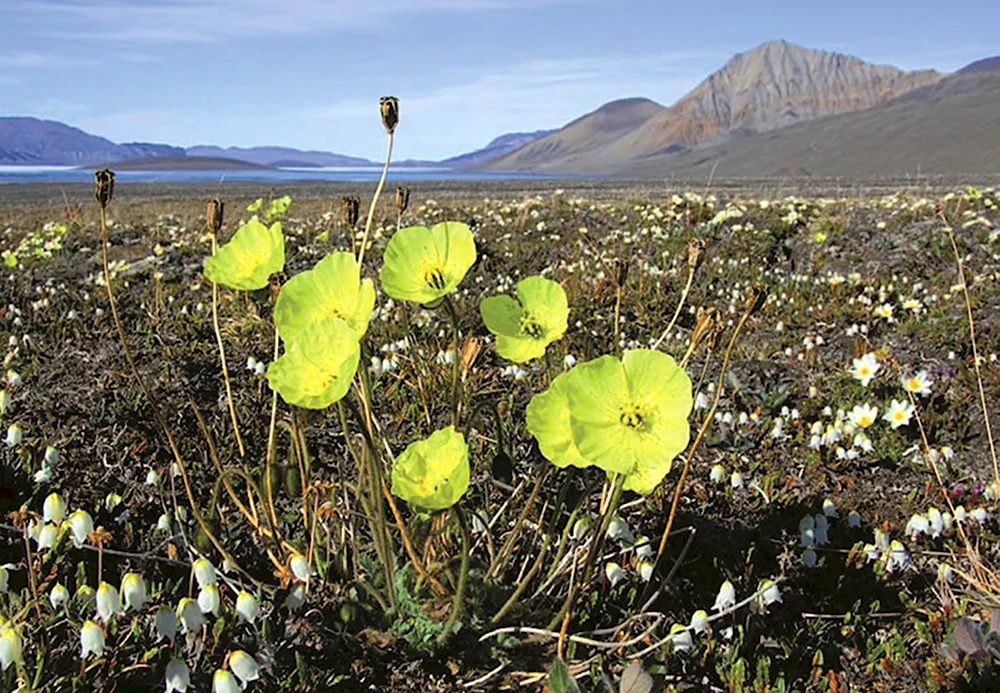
x=496, y=148
x=183, y=163
x=280, y=156
x=50, y=143
x=951, y=126
x=772, y=86
x=984, y=65
x=581, y=139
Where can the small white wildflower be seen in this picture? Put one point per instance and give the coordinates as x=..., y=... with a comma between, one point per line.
x=209, y=600
x=301, y=568
x=296, y=598
x=204, y=572
x=14, y=436
x=108, y=601
x=11, y=647
x=619, y=529
x=680, y=638
x=58, y=595
x=152, y=478
x=809, y=558
x=244, y=666
x=645, y=570
x=177, y=676
x=134, y=591
x=736, y=480
x=224, y=682
x=717, y=474
x=854, y=519
x=165, y=623
x=829, y=509
x=699, y=621
x=91, y=640
x=247, y=607
x=189, y=615
x=614, y=573
x=726, y=597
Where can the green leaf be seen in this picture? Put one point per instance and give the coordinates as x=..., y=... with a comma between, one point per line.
x=255, y=205
x=331, y=289
x=424, y=265
x=635, y=680
x=560, y=680
x=247, y=261
x=318, y=366
x=433, y=473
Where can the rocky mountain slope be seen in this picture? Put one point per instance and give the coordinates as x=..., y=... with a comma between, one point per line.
x=47, y=142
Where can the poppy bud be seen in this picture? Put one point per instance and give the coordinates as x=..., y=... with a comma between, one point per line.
x=214, y=215
x=402, y=199
x=756, y=298
x=350, y=207
x=389, y=106
x=104, y=186
x=707, y=327
x=621, y=272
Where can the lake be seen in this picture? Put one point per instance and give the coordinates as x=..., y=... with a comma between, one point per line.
x=67, y=174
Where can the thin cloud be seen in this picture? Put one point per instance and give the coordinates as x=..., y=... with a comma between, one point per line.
x=32, y=59
x=209, y=20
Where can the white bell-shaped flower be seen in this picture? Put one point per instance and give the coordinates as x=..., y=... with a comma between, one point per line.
x=81, y=524
x=47, y=535
x=224, y=682
x=247, y=607
x=680, y=638
x=91, y=640
x=53, y=509
x=614, y=573
x=165, y=623
x=178, y=676
x=134, y=591
x=645, y=570
x=296, y=598
x=189, y=615
x=14, y=436
x=726, y=597
x=58, y=595
x=699, y=621
x=209, y=600
x=301, y=568
x=204, y=572
x=11, y=647
x=108, y=601
x=244, y=666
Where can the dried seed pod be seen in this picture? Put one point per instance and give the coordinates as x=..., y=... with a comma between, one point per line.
x=389, y=107
x=213, y=217
x=350, y=207
x=402, y=199
x=707, y=327
x=696, y=250
x=756, y=297
x=469, y=352
x=104, y=186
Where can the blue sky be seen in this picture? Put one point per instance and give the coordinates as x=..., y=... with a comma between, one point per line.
x=308, y=73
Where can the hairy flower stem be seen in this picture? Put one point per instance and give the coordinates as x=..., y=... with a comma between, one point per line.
x=463, y=575
x=975, y=349
x=154, y=404
x=455, y=398
x=222, y=358
x=677, y=311
x=694, y=446
x=371, y=208
x=618, y=485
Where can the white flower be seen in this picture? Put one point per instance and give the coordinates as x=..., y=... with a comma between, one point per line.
x=718, y=474
x=809, y=558
x=899, y=413
x=14, y=436
x=43, y=475
x=244, y=666
x=854, y=519
x=47, y=535
x=81, y=524
x=108, y=602
x=701, y=401
x=247, y=606
x=822, y=525
x=301, y=568
x=726, y=597
x=4, y=401
x=680, y=638
x=165, y=623
x=736, y=480
x=863, y=415
x=58, y=595
x=163, y=523
x=919, y=384
x=189, y=615
x=768, y=592
x=11, y=647
x=865, y=368
x=296, y=598
x=643, y=547
x=614, y=573
x=935, y=522
x=619, y=529
x=898, y=557
x=91, y=640
x=112, y=501
x=14, y=379
x=807, y=531
x=177, y=677
x=223, y=682
x=699, y=621
x=645, y=570
x=51, y=456
x=829, y=509
x=153, y=479
x=134, y=591
x=204, y=572
x=209, y=600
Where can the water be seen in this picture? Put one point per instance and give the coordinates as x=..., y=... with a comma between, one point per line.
x=68, y=174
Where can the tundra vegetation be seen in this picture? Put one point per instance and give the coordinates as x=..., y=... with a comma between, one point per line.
x=672, y=443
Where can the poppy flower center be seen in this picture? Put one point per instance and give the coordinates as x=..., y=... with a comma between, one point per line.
x=631, y=416
x=434, y=278
x=529, y=327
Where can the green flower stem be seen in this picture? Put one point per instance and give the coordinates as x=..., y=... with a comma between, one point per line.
x=463, y=574
x=501, y=557
x=269, y=454
x=222, y=358
x=509, y=604
x=371, y=208
x=595, y=551
x=455, y=398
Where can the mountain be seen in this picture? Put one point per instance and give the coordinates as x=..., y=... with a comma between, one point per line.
x=279, y=156
x=183, y=163
x=984, y=65
x=583, y=139
x=950, y=126
x=496, y=148
x=47, y=142
x=772, y=86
